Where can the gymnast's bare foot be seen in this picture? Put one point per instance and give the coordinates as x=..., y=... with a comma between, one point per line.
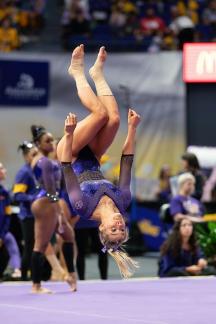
x=77, y=61
x=37, y=289
x=97, y=69
x=72, y=281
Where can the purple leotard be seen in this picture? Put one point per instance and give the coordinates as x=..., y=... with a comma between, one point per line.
x=48, y=175
x=86, y=184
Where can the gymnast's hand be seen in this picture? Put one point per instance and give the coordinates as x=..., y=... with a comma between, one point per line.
x=70, y=124
x=133, y=118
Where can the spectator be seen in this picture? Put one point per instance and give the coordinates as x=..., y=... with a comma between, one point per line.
x=210, y=12
x=151, y=23
x=127, y=6
x=6, y=238
x=77, y=26
x=183, y=27
x=9, y=39
x=184, y=204
x=164, y=190
x=100, y=11
x=169, y=41
x=78, y=4
x=37, y=15
x=118, y=21
x=190, y=164
x=181, y=255
x=191, y=6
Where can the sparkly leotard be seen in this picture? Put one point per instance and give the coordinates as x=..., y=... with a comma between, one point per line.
x=48, y=175
x=86, y=184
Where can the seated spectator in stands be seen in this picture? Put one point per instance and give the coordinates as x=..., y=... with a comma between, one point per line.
x=183, y=27
x=100, y=11
x=184, y=204
x=181, y=255
x=9, y=38
x=117, y=21
x=77, y=26
x=37, y=15
x=169, y=41
x=132, y=24
x=3, y=10
x=190, y=163
x=164, y=191
x=209, y=15
x=151, y=23
x=191, y=6
x=205, y=30
x=6, y=238
x=127, y=6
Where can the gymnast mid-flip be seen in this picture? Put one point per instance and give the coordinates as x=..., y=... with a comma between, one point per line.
x=91, y=195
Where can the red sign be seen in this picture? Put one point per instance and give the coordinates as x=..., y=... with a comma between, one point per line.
x=199, y=62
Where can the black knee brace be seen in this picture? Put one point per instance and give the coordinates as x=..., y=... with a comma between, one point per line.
x=67, y=249
x=37, y=261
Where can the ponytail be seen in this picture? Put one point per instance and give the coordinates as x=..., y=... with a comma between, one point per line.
x=126, y=264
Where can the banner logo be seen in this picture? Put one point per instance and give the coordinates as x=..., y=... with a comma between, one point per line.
x=24, y=83
x=24, y=88
x=199, y=62
x=206, y=63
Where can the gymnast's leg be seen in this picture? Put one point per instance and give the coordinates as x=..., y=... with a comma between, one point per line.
x=88, y=128
x=45, y=224
x=107, y=133
x=68, y=250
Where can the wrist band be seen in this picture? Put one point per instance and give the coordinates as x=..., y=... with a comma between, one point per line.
x=65, y=163
x=52, y=197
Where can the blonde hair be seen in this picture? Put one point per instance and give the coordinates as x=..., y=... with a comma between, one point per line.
x=185, y=177
x=126, y=264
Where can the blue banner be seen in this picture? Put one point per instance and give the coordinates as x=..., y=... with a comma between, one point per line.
x=24, y=83
x=150, y=226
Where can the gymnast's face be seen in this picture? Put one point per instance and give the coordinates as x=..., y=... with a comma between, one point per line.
x=115, y=228
x=31, y=154
x=46, y=144
x=3, y=172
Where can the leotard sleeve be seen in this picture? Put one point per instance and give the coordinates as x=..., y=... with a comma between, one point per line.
x=73, y=188
x=125, y=177
x=47, y=176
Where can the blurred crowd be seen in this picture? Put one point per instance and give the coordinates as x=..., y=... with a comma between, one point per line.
x=151, y=25
x=20, y=21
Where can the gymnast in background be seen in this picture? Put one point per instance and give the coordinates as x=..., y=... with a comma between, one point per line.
x=48, y=212
x=91, y=195
x=24, y=190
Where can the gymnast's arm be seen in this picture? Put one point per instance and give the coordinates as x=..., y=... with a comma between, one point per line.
x=128, y=151
x=71, y=182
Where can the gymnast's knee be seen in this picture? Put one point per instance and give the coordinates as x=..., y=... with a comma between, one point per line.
x=102, y=113
x=41, y=247
x=114, y=119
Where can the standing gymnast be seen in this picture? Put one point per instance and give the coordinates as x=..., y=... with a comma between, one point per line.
x=49, y=215
x=24, y=190
x=92, y=196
